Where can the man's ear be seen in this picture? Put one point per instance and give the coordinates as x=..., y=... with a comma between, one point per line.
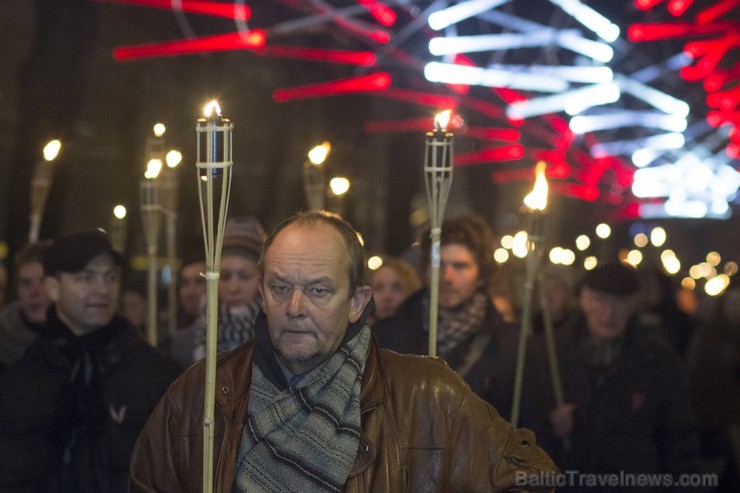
x=359, y=300
x=51, y=284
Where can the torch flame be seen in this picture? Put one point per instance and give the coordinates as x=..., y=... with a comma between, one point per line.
x=211, y=107
x=173, y=158
x=537, y=198
x=441, y=120
x=51, y=150
x=318, y=154
x=153, y=168
x=119, y=211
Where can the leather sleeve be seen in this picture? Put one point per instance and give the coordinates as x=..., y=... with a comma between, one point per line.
x=484, y=441
x=153, y=463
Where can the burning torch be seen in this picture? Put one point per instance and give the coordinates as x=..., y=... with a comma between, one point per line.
x=438, y=174
x=535, y=203
x=214, y=162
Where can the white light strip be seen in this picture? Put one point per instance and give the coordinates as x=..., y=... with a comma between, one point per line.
x=654, y=97
x=487, y=42
x=575, y=100
x=570, y=39
x=604, y=121
x=624, y=147
x=452, y=15
x=590, y=75
x=643, y=157
x=603, y=27
x=461, y=74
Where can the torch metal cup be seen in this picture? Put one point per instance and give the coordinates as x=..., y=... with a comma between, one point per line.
x=151, y=215
x=214, y=162
x=314, y=184
x=438, y=179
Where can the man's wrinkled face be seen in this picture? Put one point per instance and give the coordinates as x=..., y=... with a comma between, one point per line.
x=458, y=275
x=31, y=291
x=306, y=297
x=86, y=300
x=607, y=315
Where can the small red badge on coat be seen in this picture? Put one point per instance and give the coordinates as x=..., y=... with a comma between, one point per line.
x=117, y=416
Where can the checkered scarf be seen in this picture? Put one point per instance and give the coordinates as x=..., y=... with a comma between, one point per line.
x=303, y=438
x=458, y=325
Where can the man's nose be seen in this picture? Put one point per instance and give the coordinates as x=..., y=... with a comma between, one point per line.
x=296, y=303
x=446, y=273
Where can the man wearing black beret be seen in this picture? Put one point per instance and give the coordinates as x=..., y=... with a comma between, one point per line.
x=72, y=407
x=627, y=412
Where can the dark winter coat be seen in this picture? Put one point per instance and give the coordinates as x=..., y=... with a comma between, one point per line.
x=491, y=377
x=634, y=415
x=72, y=408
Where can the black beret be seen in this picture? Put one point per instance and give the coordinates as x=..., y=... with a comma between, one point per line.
x=612, y=278
x=71, y=253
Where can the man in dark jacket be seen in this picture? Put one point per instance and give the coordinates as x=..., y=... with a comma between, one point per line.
x=627, y=407
x=312, y=404
x=72, y=407
x=472, y=336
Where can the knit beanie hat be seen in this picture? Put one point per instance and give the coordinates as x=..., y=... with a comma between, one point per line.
x=244, y=232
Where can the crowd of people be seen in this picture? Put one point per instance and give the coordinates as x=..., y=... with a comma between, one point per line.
x=321, y=386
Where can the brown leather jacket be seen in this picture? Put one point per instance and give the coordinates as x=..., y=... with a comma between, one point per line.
x=423, y=431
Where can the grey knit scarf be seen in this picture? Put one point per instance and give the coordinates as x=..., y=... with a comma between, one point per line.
x=304, y=438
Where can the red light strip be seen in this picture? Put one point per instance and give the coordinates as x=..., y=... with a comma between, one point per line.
x=589, y=193
x=711, y=53
x=646, y=4
x=715, y=11
x=251, y=40
x=483, y=107
x=367, y=83
x=718, y=118
x=504, y=153
x=421, y=98
x=678, y=7
x=382, y=13
x=509, y=95
x=724, y=100
x=653, y=32
x=216, y=9
x=408, y=125
x=487, y=133
x=363, y=58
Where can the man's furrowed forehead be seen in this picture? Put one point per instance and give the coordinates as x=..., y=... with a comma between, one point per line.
x=309, y=250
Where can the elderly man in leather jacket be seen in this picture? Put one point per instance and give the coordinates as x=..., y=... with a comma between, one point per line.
x=312, y=404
